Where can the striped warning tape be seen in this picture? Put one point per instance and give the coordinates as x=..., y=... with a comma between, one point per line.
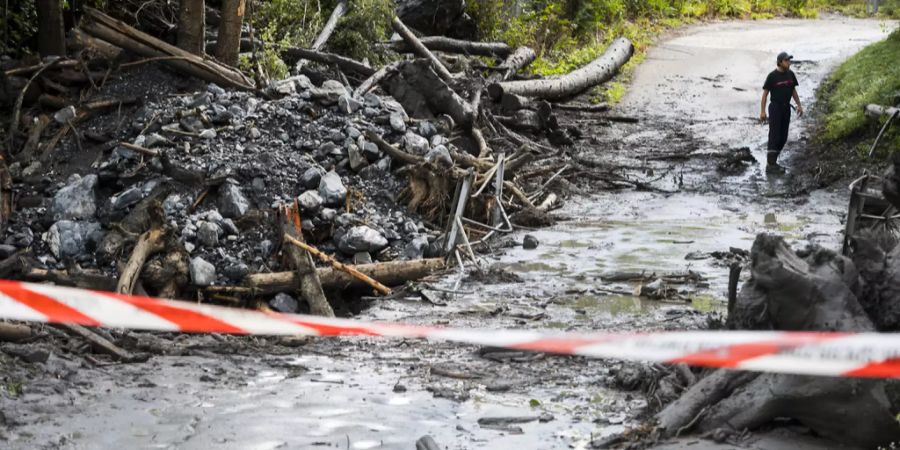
x=873, y=355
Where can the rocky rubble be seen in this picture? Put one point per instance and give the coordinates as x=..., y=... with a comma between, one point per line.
x=228, y=160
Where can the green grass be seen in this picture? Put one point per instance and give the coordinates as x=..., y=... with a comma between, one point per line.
x=870, y=76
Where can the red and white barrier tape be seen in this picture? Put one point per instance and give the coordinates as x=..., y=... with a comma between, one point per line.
x=874, y=355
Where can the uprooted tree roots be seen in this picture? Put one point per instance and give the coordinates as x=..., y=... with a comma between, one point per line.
x=813, y=290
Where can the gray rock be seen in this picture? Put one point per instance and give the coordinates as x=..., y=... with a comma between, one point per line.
x=371, y=151
x=440, y=156
x=415, y=249
x=310, y=179
x=255, y=133
x=362, y=258
x=284, y=303
x=213, y=216
x=265, y=247
x=208, y=133
x=232, y=202
x=69, y=239
x=310, y=201
x=439, y=140
x=128, y=198
x=237, y=272
x=329, y=92
x=410, y=227
x=154, y=139
x=7, y=250
x=348, y=104
x=397, y=122
x=202, y=272
x=332, y=189
x=208, y=234
x=372, y=100
x=361, y=239
x=357, y=158
x=328, y=214
x=427, y=129
x=214, y=89
x=229, y=227
x=529, y=242
x=415, y=144
x=76, y=200
x=21, y=239
x=64, y=115
x=353, y=132
x=33, y=169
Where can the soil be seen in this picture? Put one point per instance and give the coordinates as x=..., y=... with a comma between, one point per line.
x=697, y=97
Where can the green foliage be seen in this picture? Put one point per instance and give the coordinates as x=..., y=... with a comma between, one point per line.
x=366, y=22
x=18, y=27
x=864, y=78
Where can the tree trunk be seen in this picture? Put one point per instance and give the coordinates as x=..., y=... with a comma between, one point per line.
x=392, y=273
x=118, y=33
x=192, y=26
x=596, y=72
x=229, y=40
x=450, y=45
x=51, y=36
x=305, y=270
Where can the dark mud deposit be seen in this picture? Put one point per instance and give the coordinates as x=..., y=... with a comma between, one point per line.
x=697, y=95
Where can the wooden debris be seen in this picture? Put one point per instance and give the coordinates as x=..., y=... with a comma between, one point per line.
x=419, y=49
x=148, y=244
x=308, y=280
x=340, y=266
x=12, y=332
x=392, y=273
x=99, y=343
x=450, y=45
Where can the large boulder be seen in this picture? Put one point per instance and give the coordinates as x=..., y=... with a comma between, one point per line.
x=361, y=239
x=75, y=201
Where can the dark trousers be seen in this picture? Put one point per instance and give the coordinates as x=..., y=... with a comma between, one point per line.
x=779, y=122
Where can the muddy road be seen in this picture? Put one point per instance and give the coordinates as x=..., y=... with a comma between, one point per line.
x=697, y=96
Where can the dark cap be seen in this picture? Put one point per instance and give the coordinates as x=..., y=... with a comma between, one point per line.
x=783, y=56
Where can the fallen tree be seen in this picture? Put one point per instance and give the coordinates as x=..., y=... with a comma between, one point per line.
x=596, y=72
x=450, y=45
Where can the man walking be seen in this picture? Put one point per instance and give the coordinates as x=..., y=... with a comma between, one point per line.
x=782, y=85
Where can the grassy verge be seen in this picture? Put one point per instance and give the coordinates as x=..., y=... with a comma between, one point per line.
x=870, y=76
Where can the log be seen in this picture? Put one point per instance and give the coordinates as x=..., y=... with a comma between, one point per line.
x=349, y=269
x=420, y=49
x=596, y=72
x=369, y=83
x=307, y=279
x=79, y=40
x=80, y=279
x=12, y=332
x=438, y=95
x=450, y=45
x=98, y=343
x=148, y=244
x=392, y=151
x=523, y=120
x=874, y=111
x=339, y=10
x=518, y=60
x=599, y=107
x=393, y=273
x=513, y=102
x=344, y=63
x=120, y=34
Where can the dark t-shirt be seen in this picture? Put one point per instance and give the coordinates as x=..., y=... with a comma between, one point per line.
x=781, y=85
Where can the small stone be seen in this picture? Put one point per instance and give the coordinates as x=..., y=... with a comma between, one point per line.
x=208, y=234
x=128, y=198
x=21, y=239
x=232, y=202
x=154, y=139
x=69, y=239
x=529, y=242
x=332, y=189
x=229, y=227
x=440, y=156
x=415, y=249
x=265, y=247
x=353, y=133
x=310, y=201
x=255, y=133
x=28, y=353
x=202, y=272
x=415, y=144
x=348, y=104
x=362, y=258
x=361, y=239
x=214, y=89
x=284, y=303
x=371, y=151
x=7, y=250
x=64, y=115
x=76, y=200
x=310, y=179
x=236, y=272
x=208, y=133
x=427, y=129
x=357, y=158
x=32, y=170
x=328, y=214
x=397, y=122
x=373, y=101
